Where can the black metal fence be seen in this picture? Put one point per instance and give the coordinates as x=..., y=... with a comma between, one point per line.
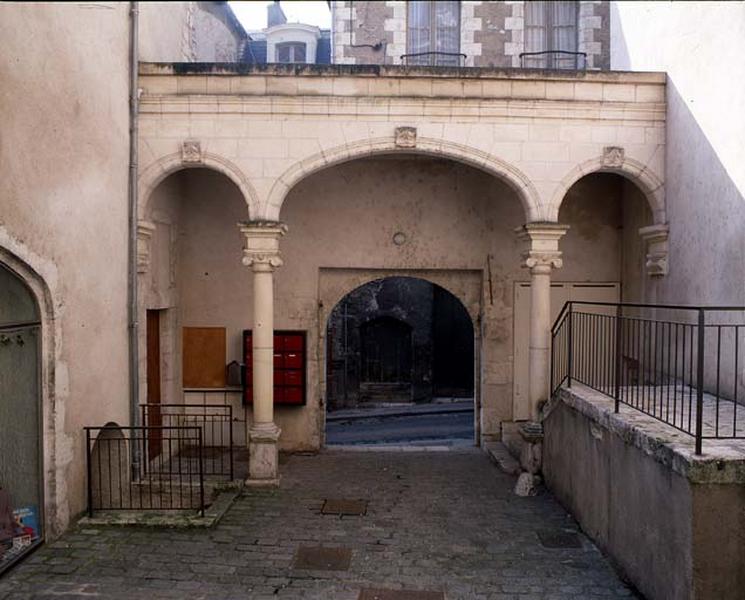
x=681, y=365
x=215, y=423
x=170, y=476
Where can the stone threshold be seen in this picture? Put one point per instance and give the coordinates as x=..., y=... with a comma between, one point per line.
x=722, y=461
x=175, y=519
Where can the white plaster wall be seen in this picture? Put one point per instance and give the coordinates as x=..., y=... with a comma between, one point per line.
x=701, y=46
x=341, y=224
x=63, y=211
x=166, y=30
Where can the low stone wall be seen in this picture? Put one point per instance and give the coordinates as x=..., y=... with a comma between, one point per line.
x=673, y=523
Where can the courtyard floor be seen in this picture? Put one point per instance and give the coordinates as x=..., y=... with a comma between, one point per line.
x=444, y=522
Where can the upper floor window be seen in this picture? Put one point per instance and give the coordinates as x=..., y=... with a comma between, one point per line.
x=433, y=30
x=551, y=30
x=291, y=52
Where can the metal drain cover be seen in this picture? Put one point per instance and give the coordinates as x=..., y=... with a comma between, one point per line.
x=320, y=558
x=559, y=539
x=374, y=594
x=341, y=506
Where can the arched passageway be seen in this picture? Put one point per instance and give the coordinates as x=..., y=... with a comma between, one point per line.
x=21, y=497
x=400, y=345
x=193, y=293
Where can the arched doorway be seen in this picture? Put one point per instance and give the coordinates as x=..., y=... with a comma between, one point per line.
x=21, y=499
x=400, y=366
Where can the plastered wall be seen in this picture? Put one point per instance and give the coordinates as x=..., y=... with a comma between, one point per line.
x=342, y=221
x=705, y=163
x=63, y=214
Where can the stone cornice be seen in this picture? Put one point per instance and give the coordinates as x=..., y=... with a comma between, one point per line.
x=465, y=109
x=397, y=71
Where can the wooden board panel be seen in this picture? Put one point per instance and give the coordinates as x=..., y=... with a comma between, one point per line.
x=204, y=357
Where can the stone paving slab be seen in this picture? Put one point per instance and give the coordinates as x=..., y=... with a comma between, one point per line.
x=442, y=522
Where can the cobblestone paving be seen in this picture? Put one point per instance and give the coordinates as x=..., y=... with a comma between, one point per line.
x=445, y=521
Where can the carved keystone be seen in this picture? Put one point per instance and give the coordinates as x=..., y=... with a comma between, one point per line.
x=191, y=151
x=405, y=137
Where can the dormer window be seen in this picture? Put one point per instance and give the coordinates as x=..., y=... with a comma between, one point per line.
x=291, y=43
x=290, y=52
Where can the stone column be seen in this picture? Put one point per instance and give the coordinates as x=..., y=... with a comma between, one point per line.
x=261, y=253
x=541, y=257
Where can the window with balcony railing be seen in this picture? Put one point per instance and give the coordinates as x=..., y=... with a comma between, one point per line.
x=551, y=36
x=433, y=34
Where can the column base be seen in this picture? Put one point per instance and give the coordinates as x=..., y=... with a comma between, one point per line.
x=263, y=455
x=531, y=452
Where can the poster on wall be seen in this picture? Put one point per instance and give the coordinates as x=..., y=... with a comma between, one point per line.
x=19, y=528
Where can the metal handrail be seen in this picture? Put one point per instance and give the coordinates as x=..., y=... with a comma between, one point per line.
x=210, y=416
x=656, y=366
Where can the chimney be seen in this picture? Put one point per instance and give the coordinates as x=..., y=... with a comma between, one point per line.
x=275, y=15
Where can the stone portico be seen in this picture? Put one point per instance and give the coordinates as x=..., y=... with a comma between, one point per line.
x=289, y=145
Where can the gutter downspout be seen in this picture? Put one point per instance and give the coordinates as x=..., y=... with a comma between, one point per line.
x=134, y=379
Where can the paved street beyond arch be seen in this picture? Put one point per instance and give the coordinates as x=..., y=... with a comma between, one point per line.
x=436, y=524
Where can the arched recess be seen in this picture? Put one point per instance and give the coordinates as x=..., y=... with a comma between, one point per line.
x=515, y=179
x=648, y=182
x=32, y=333
x=157, y=171
x=404, y=307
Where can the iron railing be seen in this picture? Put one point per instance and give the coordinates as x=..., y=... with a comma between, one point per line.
x=678, y=364
x=434, y=59
x=215, y=422
x=172, y=477
x=554, y=59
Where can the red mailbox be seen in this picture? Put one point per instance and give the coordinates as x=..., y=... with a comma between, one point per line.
x=289, y=367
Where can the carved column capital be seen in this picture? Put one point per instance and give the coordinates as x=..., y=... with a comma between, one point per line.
x=261, y=251
x=145, y=231
x=656, y=238
x=542, y=253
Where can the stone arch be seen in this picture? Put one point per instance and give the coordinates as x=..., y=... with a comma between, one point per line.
x=367, y=277
x=157, y=171
x=28, y=268
x=648, y=182
x=391, y=327
x=512, y=176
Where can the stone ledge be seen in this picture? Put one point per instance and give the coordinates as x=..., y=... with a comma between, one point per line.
x=177, y=519
x=298, y=70
x=722, y=462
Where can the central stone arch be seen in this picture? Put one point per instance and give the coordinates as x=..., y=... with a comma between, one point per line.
x=439, y=148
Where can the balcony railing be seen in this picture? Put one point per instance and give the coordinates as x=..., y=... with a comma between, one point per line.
x=554, y=59
x=434, y=59
x=679, y=364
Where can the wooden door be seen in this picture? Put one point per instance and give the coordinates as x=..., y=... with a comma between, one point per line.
x=154, y=418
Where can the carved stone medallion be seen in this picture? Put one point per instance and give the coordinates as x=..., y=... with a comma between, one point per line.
x=613, y=156
x=191, y=151
x=405, y=137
